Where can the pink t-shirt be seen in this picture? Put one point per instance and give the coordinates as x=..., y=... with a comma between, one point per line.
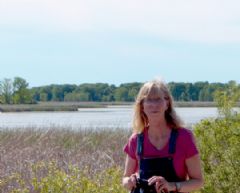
x=185, y=148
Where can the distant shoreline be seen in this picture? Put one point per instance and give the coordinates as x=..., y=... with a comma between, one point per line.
x=74, y=106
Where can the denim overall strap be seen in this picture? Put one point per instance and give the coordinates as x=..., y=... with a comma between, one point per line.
x=172, y=141
x=140, y=139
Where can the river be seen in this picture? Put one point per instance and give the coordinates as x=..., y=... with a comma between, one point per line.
x=111, y=117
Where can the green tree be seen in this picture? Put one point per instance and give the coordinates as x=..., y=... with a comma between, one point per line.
x=43, y=97
x=192, y=92
x=6, y=91
x=35, y=93
x=76, y=96
x=121, y=94
x=127, y=91
x=200, y=86
x=45, y=93
x=57, y=93
x=199, y=91
x=21, y=93
x=178, y=90
x=132, y=94
x=204, y=94
x=227, y=98
x=89, y=89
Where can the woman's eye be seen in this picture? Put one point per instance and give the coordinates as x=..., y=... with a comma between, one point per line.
x=153, y=100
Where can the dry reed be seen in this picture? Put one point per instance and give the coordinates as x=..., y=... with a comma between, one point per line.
x=91, y=149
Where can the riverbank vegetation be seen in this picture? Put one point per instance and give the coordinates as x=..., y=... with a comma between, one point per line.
x=74, y=106
x=50, y=106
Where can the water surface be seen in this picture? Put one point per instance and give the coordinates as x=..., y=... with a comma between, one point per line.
x=111, y=117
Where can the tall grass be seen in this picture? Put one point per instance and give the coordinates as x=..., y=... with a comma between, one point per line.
x=61, y=160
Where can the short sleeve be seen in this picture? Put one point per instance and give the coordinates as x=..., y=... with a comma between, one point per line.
x=190, y=142
x=131, y=146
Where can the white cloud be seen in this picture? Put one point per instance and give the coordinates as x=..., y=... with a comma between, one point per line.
x=214, y=21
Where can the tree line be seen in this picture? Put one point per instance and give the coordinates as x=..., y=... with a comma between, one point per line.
x=17, y=91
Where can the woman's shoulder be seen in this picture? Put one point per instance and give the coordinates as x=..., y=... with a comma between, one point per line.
x=187, y=142
x=131, y=145
x=135, y=134
x=133, y=137
x=185, y=133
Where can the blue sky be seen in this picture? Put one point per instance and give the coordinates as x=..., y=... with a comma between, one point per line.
x=76, y=41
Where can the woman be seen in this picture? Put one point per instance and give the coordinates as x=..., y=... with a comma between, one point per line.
x=160, y=151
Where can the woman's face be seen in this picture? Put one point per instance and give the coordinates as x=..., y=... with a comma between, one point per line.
x=155, y=106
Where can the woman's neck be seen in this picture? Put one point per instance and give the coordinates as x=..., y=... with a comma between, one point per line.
x=159, y=129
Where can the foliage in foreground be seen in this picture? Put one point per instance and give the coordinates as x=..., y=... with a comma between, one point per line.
x=49, y=178
x=219, y=143
x=61, y=160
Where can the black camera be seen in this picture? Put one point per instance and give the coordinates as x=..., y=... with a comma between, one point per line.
x=143, y=187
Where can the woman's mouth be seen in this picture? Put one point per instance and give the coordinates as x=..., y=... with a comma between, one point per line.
x=154, y=112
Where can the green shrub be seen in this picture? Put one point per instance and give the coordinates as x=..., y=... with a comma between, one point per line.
x=219, y=144
x=49, y=178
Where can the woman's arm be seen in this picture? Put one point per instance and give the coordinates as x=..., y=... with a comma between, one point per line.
x=129, y=176
x=195, y=175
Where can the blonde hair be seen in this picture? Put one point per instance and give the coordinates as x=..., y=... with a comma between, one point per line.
x=154, y=89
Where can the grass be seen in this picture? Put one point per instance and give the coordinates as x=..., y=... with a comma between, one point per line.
x=49, y=106
x=32, y=159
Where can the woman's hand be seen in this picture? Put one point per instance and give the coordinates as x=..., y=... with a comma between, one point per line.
x=161, y=185
x=130, y=182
